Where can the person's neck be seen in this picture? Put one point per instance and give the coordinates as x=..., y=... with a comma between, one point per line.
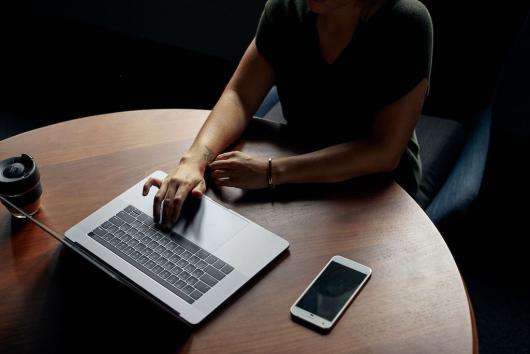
x=342, y=20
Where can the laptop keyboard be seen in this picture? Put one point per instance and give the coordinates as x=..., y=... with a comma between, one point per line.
x=173, y=261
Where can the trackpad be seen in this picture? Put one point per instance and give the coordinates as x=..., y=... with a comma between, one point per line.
x=207, y=223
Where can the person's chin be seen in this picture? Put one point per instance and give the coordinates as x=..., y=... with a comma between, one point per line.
x=318, y=6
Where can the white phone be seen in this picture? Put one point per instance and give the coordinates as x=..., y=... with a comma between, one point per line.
x=330, y=293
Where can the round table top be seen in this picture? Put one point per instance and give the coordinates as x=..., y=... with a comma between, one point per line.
x=414, y=302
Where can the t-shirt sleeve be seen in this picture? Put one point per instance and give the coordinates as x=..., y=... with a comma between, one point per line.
x=408, y=56
x=267, y=32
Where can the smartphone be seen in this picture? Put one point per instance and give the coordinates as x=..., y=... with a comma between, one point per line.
x=330, y=293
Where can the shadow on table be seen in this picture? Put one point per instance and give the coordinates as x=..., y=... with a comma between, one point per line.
x=84, y=310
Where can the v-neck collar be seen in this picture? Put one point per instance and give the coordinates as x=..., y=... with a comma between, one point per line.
x=311, y=18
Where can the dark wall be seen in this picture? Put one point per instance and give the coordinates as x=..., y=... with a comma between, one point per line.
x=63, y=59
x=218, y=28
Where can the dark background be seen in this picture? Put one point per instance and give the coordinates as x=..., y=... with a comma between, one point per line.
x=66, y=59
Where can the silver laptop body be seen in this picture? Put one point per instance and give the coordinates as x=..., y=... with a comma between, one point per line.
x=213, y=250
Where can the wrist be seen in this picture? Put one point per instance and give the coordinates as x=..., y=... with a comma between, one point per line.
x=190, y=159
x=277, y=172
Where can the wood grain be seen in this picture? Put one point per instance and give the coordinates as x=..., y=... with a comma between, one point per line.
x=415, y=302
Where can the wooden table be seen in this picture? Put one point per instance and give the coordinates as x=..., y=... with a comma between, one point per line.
x=50, y=300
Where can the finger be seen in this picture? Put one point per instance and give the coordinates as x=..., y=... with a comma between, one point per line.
x=223, y=165
x=169, y=204
x=151, y=182
x=159, y=198
x=221, y=173
x=226, y=155
x=199, y=189
x=178, y=201
x=226, y=182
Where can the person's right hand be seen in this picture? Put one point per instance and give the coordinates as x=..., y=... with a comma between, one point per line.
x=174, y=189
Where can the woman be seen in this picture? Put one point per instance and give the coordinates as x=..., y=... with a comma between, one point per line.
x=351, y=74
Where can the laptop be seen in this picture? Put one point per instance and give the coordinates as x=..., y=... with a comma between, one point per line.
x=206, y=257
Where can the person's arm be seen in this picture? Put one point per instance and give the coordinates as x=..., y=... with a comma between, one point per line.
x=382, y=152
x=241, y=98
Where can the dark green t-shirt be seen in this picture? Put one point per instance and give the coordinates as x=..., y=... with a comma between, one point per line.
x=388, y=56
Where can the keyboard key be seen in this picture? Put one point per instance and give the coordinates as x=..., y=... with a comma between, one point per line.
x=201, y=264
x=99, y=231
x=202, y=254
x=210, y=281
x=164, y=274
x=184, y=275
x=157, y=236
x=142, y=217
x=193, y=259
x=126, y=228
x=135, y=255
x=128, y=250
x=154, y=256
x=149, y=264
x=219, y=264
x=129, y=208
x=196, y=295
x=211, y=259
x=161, y=261
x=140, y=247
x=214, y=272
x=116, y=221
x=172, y=279
x=197, y=273
x=176, y=270
x=152, y=245
x=147, y=251
x=120, y=234
x=108, y=237
x=192, y=281
x=149, y=222
x=182, y=263
x=150, y=232
x=174, y=258
x=142, y=259
x=112, y=229
x=125, y=217
x=106, y=225
x=160, y=249
x=171, y=245
x=186, y=255
x=115, y=241
x=167, y=254
x=169, y=265
x=188, y=245
x=133, y=242
x=157, y=269
x=164, y=241
x=187, y=289
x=227, y=269
x=126, y=238
x=144, y=239
x=180, y=284
x=201, y=286
x=190, y=268
x=178, y=250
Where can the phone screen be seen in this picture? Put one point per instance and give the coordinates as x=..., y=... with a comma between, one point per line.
x=332, y=289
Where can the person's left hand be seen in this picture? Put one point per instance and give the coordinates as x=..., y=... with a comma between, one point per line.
x=237, y=169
